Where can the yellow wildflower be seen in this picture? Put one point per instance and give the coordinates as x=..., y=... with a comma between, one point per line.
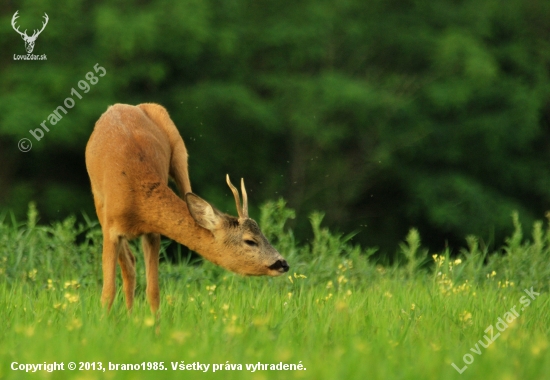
x=72, y=298
x=32, y=274
x=75, y=324
x=71, y=284
x=342, y=279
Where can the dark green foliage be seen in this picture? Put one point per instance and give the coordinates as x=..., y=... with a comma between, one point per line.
x=384, y=114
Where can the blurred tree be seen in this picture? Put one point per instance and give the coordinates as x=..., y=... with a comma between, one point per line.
x=384, y=114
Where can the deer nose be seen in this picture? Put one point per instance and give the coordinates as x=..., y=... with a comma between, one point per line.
x=280, y=264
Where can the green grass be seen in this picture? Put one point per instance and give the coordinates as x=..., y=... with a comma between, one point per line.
x=338, y=313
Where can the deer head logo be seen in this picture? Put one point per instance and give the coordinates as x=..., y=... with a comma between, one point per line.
x=29, y=40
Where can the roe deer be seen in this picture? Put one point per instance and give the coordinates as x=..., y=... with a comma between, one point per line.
x=129, y=157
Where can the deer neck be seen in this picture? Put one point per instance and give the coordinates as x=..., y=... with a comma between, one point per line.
x=169, y=216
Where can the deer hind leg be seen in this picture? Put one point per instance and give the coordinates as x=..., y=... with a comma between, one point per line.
x=151, y=248
x=127, y=263
x=111, y=247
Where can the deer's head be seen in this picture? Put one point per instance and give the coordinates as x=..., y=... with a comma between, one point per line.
x=242, y=246
x=29, y=40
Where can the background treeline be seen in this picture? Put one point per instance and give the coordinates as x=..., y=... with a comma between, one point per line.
x=383, y=114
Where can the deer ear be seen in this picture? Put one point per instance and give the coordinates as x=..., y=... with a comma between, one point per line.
x=204, y=214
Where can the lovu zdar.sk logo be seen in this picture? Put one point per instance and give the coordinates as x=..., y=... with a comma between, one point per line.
x=29, y=40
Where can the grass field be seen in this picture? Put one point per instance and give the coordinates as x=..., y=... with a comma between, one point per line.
x=336, y=315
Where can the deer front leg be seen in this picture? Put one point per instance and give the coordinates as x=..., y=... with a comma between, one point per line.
x=151, y=248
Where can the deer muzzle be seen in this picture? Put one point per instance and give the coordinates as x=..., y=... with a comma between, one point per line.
x=280, y=266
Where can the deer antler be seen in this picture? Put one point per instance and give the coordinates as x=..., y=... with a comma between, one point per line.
x=15, y=16
x=36, y=33
x=245, y=199
x=243, y=213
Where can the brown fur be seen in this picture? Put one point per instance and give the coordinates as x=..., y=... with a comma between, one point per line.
x=130, y=155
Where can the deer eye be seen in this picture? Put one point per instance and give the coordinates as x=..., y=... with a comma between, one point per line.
x=251, y=243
